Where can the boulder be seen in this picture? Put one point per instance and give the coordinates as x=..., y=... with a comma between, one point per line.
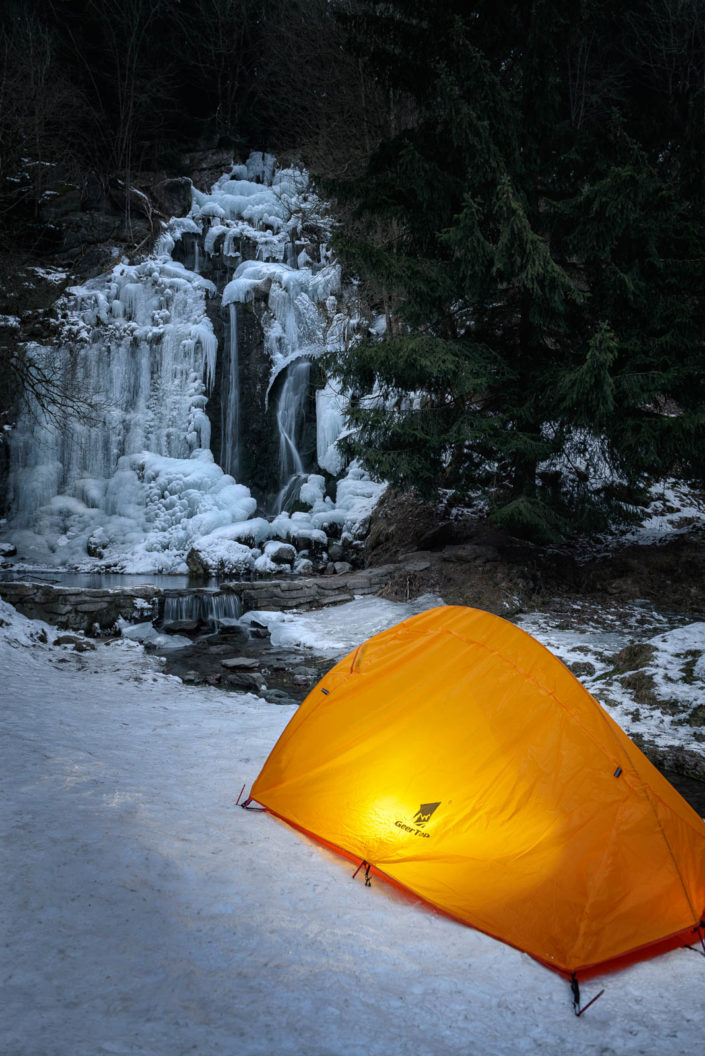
x=180, y=627
x=67, y=639
x=280, y=553
x=172, y=197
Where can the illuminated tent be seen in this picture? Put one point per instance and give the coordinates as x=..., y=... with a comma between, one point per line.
x=457, y=756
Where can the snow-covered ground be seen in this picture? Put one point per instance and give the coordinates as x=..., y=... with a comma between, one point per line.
x=145, y=914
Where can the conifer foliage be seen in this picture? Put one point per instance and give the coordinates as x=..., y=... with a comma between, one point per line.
x=536, y=238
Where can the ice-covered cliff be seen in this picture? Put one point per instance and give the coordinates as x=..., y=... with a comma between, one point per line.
x=209, y=425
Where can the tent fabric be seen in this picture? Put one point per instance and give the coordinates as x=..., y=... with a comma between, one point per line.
x=461, y=759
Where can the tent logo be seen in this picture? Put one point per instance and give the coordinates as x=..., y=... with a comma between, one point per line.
x=424, y=813
x=421, y=816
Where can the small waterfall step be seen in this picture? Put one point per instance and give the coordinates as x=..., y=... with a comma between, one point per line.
x=193, y=608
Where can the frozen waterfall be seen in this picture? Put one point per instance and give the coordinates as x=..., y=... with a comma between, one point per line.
x=164, y=354
x=230, y=400
x=290, y=415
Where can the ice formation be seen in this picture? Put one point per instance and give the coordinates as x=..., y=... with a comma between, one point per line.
x=132, y=483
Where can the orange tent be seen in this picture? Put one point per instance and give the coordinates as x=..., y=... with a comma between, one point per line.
x=461, y=759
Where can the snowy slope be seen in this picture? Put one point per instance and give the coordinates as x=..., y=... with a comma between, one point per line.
x=145, y=914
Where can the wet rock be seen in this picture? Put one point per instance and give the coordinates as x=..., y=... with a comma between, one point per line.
x=67, y=639
x=251, y=681
x=229, y=634
x=280, y=553
x=278, y=696
x=180, y=627
x=314, y=543
x=240, y=663
x=196, y=563
x=7, y=550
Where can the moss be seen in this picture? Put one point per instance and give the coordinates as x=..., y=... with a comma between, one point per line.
x=632, y=657
x=642, y=686
x=691, y=657
x=582, y=668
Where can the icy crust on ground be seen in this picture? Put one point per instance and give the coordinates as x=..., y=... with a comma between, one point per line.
x=653, y=684
x=145, y=914
x=674, y=508
x=132, y=485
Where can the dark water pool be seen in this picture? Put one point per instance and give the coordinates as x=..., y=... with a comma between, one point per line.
x=98, y=580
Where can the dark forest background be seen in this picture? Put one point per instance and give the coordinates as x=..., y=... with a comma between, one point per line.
x=522, y=190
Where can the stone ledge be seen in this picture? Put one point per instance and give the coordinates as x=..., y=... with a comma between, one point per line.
x=85, y=609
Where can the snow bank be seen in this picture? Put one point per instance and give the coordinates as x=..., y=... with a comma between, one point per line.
x=145, y=914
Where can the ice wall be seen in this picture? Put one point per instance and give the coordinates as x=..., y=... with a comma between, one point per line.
x=131, y=484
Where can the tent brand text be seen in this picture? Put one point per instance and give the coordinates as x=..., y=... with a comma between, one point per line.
x=408, y=828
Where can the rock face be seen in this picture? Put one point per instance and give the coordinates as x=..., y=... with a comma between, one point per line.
x=173, y=196
x=90, y=213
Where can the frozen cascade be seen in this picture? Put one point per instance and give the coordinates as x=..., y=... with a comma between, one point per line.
x=230, y=401
x=139, y=352
x=209, y=607
x=133, y=485
x=290, y=416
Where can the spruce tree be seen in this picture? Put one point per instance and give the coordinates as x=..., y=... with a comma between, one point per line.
x=536, y=244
